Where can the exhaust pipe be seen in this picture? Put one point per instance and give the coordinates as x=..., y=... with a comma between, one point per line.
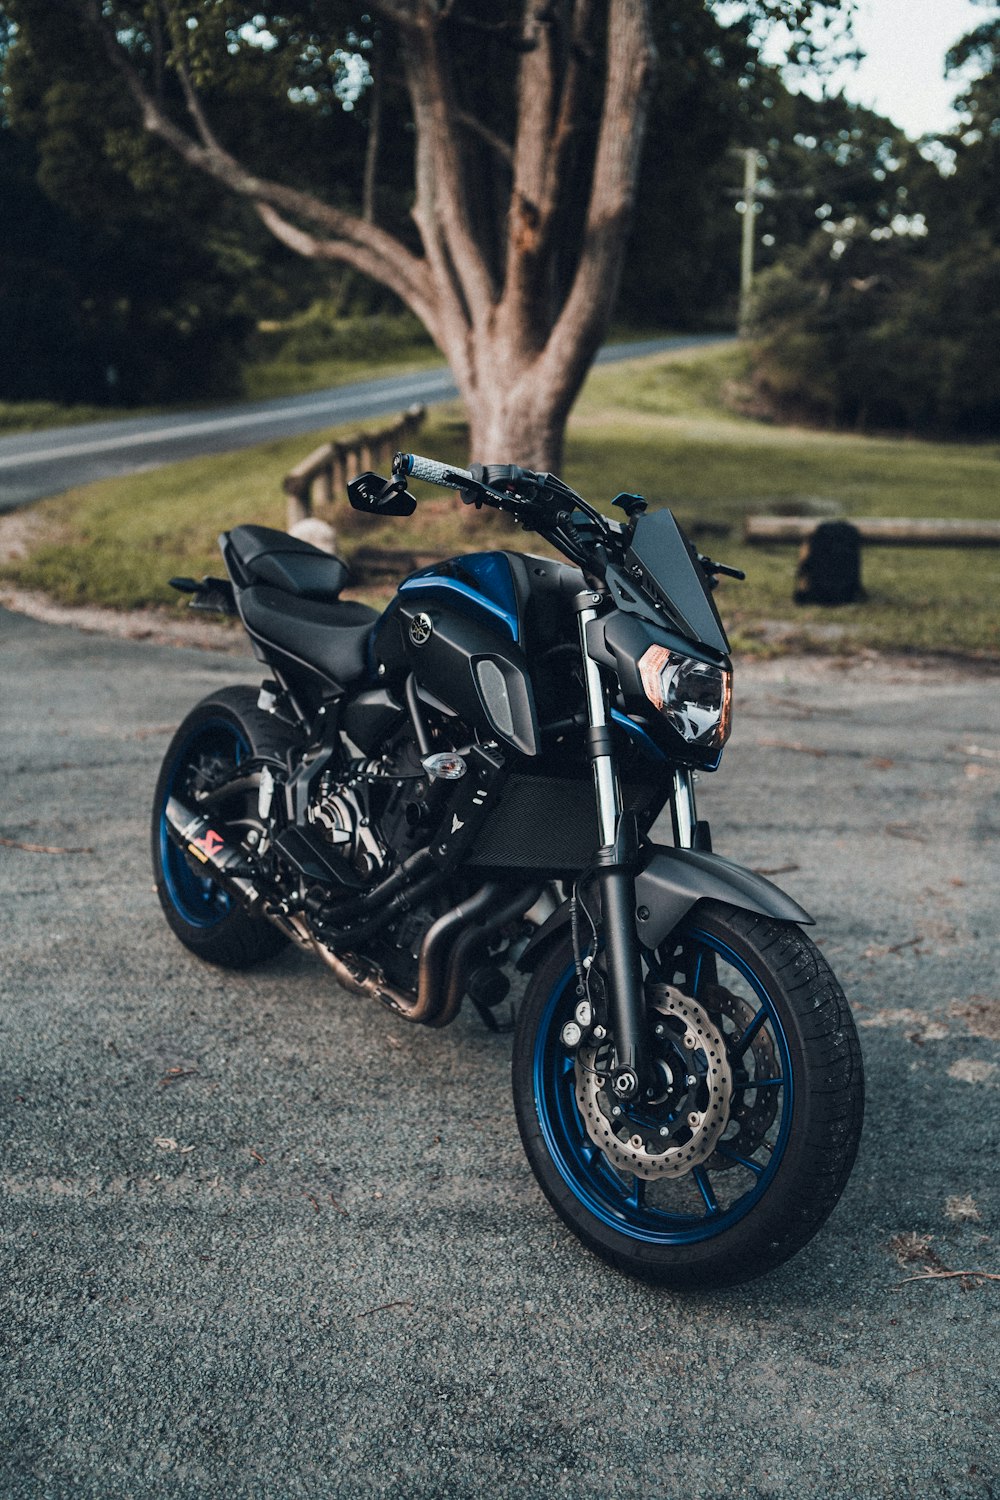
x=463, y=954
x=209, y=853
x=364, y=978
x=445, y=953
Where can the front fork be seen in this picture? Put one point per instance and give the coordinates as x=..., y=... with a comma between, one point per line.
x=615, y=867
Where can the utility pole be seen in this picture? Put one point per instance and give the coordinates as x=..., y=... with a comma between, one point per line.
x=750, y=164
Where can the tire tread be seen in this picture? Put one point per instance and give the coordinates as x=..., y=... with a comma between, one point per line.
x=238, y=941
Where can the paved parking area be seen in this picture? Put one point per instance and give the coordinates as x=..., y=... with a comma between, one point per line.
x=262, y=1239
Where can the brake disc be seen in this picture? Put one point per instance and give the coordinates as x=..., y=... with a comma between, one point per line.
x=752, y=1120
x=641, y=1151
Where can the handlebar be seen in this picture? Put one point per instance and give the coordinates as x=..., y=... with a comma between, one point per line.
x=540, y=502
x=430, y=471
x=545, y=504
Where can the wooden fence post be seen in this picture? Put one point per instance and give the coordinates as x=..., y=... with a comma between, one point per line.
x=322, y=478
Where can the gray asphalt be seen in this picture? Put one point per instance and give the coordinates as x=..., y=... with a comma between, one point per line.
x=263, y=1239
x=36, y=464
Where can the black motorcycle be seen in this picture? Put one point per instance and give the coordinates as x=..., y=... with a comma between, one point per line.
x=464, y=786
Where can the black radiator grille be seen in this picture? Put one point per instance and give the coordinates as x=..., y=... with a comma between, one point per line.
x=545, y=823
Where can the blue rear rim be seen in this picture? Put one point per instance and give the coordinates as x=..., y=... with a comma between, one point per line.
x=715, y=1196
x=199, y=901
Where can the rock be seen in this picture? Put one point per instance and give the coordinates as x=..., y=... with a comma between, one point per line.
x=318, y=533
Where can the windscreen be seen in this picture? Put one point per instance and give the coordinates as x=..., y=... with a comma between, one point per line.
x=670, y=569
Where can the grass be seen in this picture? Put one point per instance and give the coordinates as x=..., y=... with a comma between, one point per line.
x=33, y=416
x=263, y=380
x=292, y=377
x=659, y=426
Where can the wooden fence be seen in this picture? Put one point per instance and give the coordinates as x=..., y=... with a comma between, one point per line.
x=322, y=478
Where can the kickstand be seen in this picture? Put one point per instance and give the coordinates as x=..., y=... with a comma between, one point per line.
x=488, y=1016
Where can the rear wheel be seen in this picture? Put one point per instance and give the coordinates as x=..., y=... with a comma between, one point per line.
x=224, y=730
x=747, y=1146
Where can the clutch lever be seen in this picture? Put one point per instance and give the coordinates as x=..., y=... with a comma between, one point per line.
x=712, y=568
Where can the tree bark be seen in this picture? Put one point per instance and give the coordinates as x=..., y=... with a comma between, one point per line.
x=519, y=343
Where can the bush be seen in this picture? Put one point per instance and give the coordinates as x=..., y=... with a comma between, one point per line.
x=874, y=334
x=321, y=332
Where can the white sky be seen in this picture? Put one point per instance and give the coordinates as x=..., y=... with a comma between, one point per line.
x=902, y=75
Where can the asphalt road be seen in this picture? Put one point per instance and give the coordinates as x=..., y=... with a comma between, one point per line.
x=260, y=1238
x=36, y=464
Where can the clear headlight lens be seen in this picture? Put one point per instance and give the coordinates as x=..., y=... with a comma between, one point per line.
x=695, y=697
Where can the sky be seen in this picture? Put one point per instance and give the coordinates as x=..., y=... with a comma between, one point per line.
x=902, y=75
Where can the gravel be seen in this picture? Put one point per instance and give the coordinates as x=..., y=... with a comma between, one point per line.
x=260, y=1238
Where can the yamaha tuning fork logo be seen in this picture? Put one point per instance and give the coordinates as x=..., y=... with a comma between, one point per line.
x=420, y=629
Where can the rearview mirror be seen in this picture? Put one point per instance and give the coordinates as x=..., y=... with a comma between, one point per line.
x=380, y=497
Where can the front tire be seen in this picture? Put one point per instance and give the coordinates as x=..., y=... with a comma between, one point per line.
x=792, y=1122
x=221, y=732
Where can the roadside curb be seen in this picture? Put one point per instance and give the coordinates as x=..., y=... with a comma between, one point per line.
x=156, y=626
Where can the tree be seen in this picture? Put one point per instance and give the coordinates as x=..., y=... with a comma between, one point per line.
x=111, y=291
x=890, y=315
x=526, y=120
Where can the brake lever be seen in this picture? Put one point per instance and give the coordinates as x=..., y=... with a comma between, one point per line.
x=476, y=493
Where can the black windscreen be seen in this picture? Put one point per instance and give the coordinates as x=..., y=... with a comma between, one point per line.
x=665, y=556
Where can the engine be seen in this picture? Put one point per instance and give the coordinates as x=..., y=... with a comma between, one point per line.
x=373, y=814
x=376, y=812
x=342, y=813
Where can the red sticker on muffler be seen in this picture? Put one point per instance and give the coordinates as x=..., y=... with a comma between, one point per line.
x=209, y=844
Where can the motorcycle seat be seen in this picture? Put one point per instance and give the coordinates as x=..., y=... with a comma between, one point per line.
x=331, y=638
x=284, y=562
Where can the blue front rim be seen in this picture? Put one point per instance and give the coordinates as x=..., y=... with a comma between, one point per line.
x=710, y=1199
x=199, y=901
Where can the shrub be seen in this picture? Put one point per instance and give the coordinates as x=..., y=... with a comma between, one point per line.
x=856, y=332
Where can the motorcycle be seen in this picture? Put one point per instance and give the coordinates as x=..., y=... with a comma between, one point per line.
x=463, y=788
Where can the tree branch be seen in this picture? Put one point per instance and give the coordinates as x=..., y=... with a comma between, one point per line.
x=350, y=254
x=441, y=210
x=630, y=70
x=548, y=103
x=503, y=148
x=349, y=238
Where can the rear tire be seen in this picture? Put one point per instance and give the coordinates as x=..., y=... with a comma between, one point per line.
x=784, y=1156
x=221, y=731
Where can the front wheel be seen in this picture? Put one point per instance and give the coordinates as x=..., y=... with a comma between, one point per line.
x=746, y=1145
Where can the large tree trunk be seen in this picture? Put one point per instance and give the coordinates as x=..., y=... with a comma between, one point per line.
x=514, y=417
x=518, y=312
x=528, y=432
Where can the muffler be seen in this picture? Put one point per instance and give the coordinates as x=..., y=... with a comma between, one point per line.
x=210, y=854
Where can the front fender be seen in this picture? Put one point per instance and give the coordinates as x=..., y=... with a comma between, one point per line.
x=670, y=883
x=674, y=879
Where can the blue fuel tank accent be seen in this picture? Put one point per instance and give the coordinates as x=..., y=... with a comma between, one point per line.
x=486, y=584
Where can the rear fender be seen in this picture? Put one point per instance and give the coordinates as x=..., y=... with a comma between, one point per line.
x=672, y=881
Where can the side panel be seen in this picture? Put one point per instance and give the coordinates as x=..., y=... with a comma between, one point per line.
x=471, y=665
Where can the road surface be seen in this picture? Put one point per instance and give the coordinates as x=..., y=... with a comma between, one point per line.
x=36, y=464
x=259, y=1238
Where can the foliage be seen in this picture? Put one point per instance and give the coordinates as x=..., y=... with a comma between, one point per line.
x=890, y=316
x=314, y=95
x=124, y=281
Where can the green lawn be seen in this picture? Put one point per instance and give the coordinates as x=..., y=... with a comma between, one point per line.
x=659, y=426
x=261, y=381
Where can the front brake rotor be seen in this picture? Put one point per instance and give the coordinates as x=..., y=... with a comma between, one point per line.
x=752, y=1120
x=693, y=1141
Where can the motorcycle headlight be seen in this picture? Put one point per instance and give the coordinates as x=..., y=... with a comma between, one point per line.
x=695, y=697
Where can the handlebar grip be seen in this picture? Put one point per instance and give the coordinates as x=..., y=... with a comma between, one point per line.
x=429, y=470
